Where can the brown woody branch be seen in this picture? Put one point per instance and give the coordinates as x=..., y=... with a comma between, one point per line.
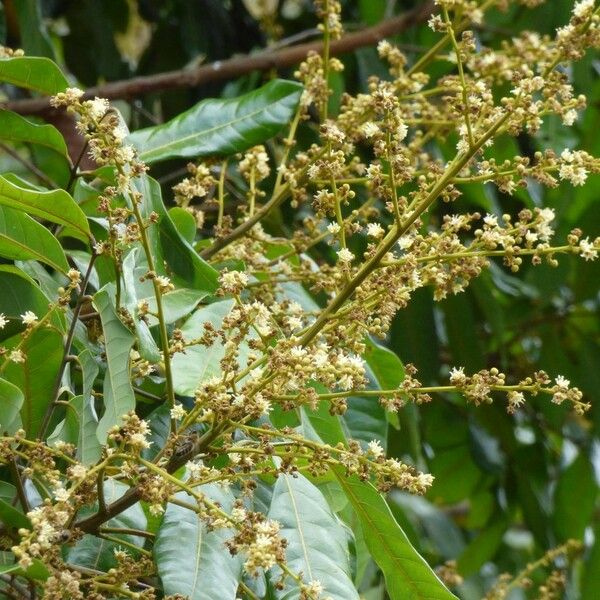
x=237, y=66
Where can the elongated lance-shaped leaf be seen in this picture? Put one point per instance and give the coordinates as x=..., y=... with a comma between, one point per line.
x=185, y=266
x=15, y=128
x=317, y=542
x=407, y=575
x=221, y=127
x=118, y=393
x=36, y=375
x=23, y=238
x=33, y=73
x=192, y=561
x=56, y=206
x=81, y=422
x=11, y=400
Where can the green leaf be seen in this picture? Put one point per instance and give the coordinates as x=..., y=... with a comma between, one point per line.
x=176, y=304
x=483, y=547
x=407, y=575
x=15, y=128
x=11, y=400
x=146, y=345
x=33, y=73
x=20, y=294
x=56, y=206
x=192, y=561
x=221, y=127
x=34, y=35
x=185, y=266
x=118, y=393
x=317, y=542
x=590, y=585
x=36, y=376
x=10, y=516
x=577, y=481
x=199, y=362
x=79, y=428
x=23, y=238
x=184, y=223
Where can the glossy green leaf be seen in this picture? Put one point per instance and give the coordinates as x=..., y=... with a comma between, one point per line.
x=407, y=575
x=33, y=73
x=36, y=376
x=191, y=560
x=12, y=517
x=317, y=542
x=23, y=238
x=15, y=128
x=184, y=222
x=184, y=265
x=221, y=127
x=19, y=294
x=118, y=393
x=11, y=400
x=56, y=206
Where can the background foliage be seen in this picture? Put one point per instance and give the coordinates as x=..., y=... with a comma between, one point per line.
x=507, y=488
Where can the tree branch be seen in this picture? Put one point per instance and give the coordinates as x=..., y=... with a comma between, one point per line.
x=237, y=66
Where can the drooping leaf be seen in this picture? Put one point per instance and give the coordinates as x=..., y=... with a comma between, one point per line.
x=12, y=517
x=185, y=266
x=192, y=561
x=79, y=428
x=36, y=376
x=407, y=575
x=146, y=345
x=20, y=294
x=117, y=392
x=11, y=400
x=56, y=206
x=33, y=73
x=317, y=542
x=15, y=128
x=23, y=238
x=221, y=127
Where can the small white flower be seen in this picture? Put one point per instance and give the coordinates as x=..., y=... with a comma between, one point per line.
x=333, y=228
x=375, y=449
x=16, y=356
x=29, y=318
x=345, y=256
x=3, y=320
x=370, y=129
x=562, y=382
x=375, y=230
x=457, y=376
x=569, y=117
x=587, y=250
x=178, y=412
